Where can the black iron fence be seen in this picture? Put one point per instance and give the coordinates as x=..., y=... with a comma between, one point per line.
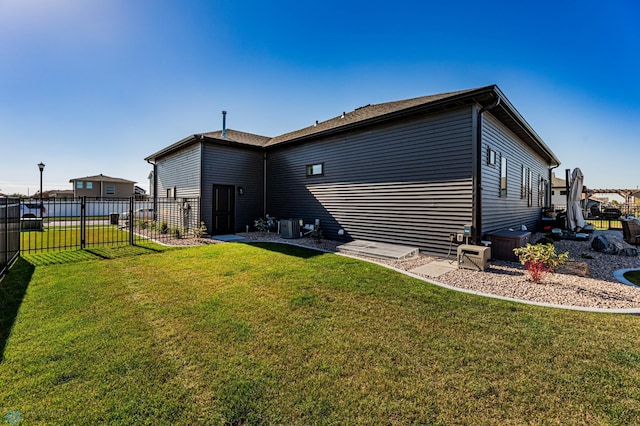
x=84, y=223
x=9, y=232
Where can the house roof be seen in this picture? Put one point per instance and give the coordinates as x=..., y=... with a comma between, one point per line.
x=556, y=181
x=379, y=113
x=102, y=178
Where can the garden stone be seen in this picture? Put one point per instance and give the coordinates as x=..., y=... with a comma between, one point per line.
x=574, y=267
x=611, y=244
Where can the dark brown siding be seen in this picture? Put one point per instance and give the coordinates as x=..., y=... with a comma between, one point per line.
x=239, y=167
x=409, y=182
x=511, y=211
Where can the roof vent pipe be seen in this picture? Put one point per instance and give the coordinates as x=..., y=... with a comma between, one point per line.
x=224, y=124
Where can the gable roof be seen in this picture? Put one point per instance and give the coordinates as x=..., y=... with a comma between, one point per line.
x=102, y=178
x=378, y=113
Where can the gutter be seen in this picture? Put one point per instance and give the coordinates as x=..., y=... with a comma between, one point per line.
x=476, y=221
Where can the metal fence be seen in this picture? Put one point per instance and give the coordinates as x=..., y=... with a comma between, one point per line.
x=84, y=223
x=9, y=232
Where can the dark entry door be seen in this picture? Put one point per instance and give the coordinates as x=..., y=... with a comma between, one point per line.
x=223, y=209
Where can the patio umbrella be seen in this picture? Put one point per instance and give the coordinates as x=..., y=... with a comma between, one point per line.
x=575, y=219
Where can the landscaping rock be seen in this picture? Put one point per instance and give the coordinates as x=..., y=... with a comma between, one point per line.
x=574, y=267
x=611, y=244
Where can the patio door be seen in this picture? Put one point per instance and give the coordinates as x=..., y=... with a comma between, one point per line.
x=223, y=209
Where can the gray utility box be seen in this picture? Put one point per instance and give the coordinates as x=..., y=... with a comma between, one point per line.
x=503, y=243
x=473, y=257
x=290, y=228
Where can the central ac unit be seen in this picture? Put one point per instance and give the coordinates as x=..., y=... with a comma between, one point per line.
x=290, y=228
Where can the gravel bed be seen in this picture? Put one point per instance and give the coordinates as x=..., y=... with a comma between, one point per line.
x=509, y=279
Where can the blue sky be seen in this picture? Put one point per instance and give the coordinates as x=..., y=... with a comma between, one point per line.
x=95, y=86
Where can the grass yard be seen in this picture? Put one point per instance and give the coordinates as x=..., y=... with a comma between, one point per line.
x=275, y=334
x=69, y=237
x=633, y=276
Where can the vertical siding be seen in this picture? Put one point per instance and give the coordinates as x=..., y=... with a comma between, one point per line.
x=512, y=210
x=409, y=182
x=240, y=167
x=180, y=170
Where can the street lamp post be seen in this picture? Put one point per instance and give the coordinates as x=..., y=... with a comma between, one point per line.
x=41, y=167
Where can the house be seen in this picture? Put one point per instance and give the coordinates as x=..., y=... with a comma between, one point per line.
x=102, y=186
x=58, y=194
x=409, y=172
x=558, y=191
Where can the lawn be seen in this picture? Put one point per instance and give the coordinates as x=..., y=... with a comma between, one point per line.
x=274, y=334
x=68, y=237
x=633, y=276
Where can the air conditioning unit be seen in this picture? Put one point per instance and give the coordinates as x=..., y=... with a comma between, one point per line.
x=473, y=257
x=290, y=228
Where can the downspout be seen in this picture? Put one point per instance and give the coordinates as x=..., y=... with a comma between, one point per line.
x=264, y=185
x=549, y=196
x=155, y=188
x=477, y=186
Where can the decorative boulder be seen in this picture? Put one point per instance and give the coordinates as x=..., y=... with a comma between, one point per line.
x=574, y=267
x=611, y=244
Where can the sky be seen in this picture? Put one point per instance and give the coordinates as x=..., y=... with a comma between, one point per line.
x=95, y=86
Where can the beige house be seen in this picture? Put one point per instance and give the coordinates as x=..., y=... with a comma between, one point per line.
x=101, y=186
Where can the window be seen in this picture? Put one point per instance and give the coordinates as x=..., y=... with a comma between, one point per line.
x=491, y=157
x=563, y=192
x=171, y=192
x=89, y=185
x=542, y=190
x=110, y=189
x=315, y=169
x=503, y=177
x=529, y=188
x=79, y=184
x=523, y=185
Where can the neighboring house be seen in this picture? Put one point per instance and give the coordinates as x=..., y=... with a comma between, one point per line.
x=139, y=193
x=58, y=194
x=558, y=191
x=101, y=186
x=408, y=172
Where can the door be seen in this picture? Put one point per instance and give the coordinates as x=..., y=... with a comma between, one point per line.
x=223, y=209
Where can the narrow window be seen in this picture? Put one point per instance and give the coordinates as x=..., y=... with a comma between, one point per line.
x=523, y=184
x=171, y=192
x=110, y=189
x=503, y=177
x=529, y=188
x=79, y=184
x=315, y=169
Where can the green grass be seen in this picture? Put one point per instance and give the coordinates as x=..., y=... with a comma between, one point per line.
x=61, y=237
x=633, y=276
x=272, y=334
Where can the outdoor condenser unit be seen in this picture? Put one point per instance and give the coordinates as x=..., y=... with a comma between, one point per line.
x=473, y=257
x=290, y=228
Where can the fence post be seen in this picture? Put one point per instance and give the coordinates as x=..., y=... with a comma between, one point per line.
x=131, y=219
x=83, y=221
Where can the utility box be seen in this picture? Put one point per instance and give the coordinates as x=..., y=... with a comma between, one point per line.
x=290, y=228
x=473, y=257
x=503, y=243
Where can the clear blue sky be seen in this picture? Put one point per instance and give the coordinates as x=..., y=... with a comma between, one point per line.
x=95, y=86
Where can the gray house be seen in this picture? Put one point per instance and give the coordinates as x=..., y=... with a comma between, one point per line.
x=411, y=171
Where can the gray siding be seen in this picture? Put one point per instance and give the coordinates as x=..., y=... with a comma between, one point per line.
x=239, y=167
x=410, y=182
x=512, y=210
x=182, y=171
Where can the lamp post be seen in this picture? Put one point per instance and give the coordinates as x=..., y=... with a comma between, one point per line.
x=41, y=167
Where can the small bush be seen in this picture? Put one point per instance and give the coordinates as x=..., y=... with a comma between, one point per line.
x=162, y=228
x=539, y=259
x=317, y=234
x=200, y=231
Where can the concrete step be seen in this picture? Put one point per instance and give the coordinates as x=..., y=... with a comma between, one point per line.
x=378, y=250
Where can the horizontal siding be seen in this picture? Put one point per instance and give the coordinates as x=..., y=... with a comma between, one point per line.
x=510, y=211
x=239, y=167
x=407, y=183
x=182, y=171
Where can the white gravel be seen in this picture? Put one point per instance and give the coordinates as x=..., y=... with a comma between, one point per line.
x=509, y=279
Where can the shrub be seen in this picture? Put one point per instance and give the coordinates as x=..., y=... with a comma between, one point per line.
x=200, y=230
x=261, y=225
x=539, y=259
x=316, y=234
x=162, y=228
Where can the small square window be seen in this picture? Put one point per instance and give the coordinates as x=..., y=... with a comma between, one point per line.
x=79, y=184
x=315, y=169
x=89, y=185
x=491, y=157
x=110, y=189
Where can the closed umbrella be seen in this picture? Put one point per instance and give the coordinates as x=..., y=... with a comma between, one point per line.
x=575, y=219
